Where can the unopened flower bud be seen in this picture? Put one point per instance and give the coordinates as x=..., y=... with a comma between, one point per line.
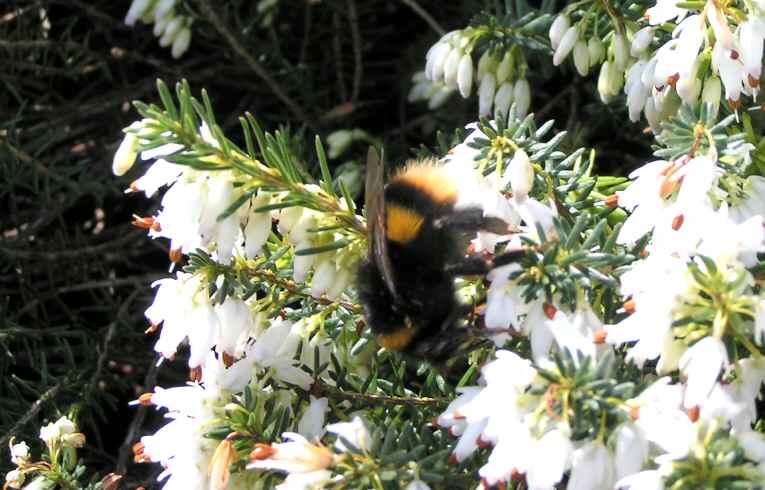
x=486, y=94
x=641, y=41
x=581, y=57
x=485, y=64
x=465, y=75
x=596, y=50
x=125, y=156
x=621, y=52
x=521, y=174
x=452, y=67
x=137, y=10
x=558, y=28
x=505, y=68
x=504, y=98
x=712, y=93
x=522, y=95
x=181, y=43
x=566, y=45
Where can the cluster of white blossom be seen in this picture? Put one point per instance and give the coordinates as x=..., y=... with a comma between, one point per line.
x=59, y=436
x=194, y=213
x=501, y=82
x=172, y=29
x=719, y=43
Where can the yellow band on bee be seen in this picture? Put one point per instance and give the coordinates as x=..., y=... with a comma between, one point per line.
x=402, y=224
x=396, y=340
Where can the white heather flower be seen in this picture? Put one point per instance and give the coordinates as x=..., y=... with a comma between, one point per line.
x=159, y=174
x=19, y=453
x=751, y=36
x=637, y=92
x=181, y=42
x=640, y=41
x=125, y=156
x=486, y=64
x=630, y=450
x=162, y=9
x=311, y=424
x=171, y=31
x=14, y=479
x=436, y=60
x=712, y=93
x=558, y=28
x=621, y=51
x=504, y=69
x=596, y=50
x=664, y=11
x=184, y=308
x=138, y=9
x=581, y=57
x=465, y=75
x=592, y=468
x=645, y=480
x=522, y=95
x=234, y=319
x=566, y=45
x=354, y=432
x=550, y=458
x=297, y=455
x=50, y=433
x=451, y=68
x=486, y=94
x=274, y=351
x=610, y=81
x=521, y=174
x=258, y=227
x=701, y=365
x=503, y=99
x=323, y=277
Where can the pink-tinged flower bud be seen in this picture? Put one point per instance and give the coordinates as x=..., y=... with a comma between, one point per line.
x=581, y=57
x=522, y=94
x=566, y=45
x=641, y=41
x=486, y=94
x=559, y=27
x=465, y=75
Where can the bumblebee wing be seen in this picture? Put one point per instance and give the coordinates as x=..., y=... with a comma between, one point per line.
x=374, y=203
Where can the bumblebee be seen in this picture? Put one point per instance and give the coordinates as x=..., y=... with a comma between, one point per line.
x=415, y=251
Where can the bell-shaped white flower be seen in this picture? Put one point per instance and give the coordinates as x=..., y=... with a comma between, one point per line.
x=504, y=98
x=566, y=45
x=558, y=28
x=465, y=75
x=581, y=57
x=640, y=41
x=354, y=432
x=181, y=42
x=486, y=94
x=522, y=96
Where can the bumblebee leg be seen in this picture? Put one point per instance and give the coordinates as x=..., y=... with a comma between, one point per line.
x=472, y=219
